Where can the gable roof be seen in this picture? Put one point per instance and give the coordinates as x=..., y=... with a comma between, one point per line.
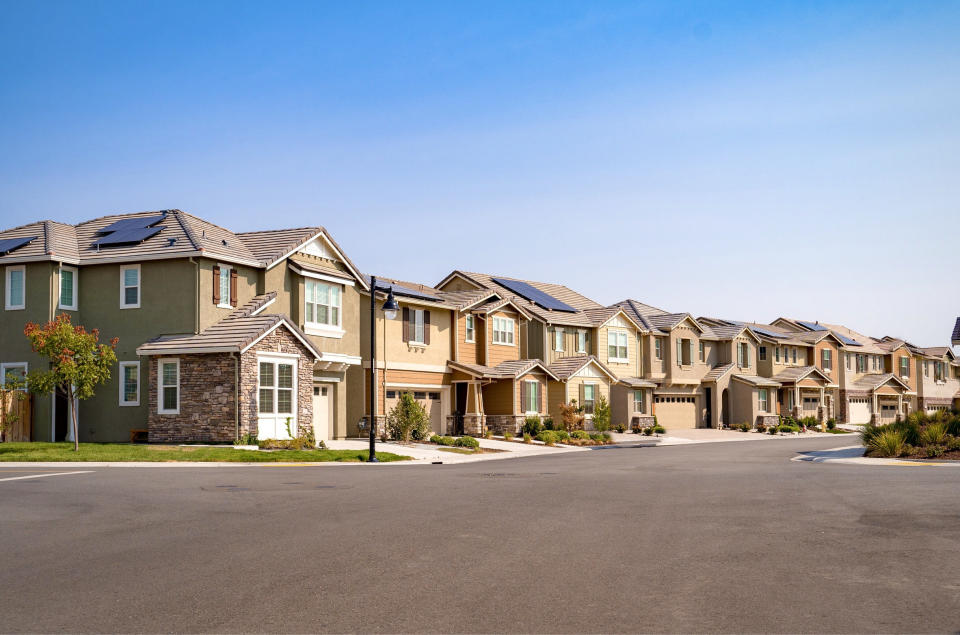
x=938, y=352
x=875, y=380
x=604, y=315
x=565, y=367
x=236, y=333
x=799, y=373
x=956, y=333
x=717, y=372
x=754, y=380
x=510, y=369
x=669, y=321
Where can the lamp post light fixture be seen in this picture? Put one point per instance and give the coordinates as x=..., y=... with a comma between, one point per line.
x=390, y=308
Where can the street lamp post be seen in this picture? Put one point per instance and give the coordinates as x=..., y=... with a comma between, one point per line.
x=390, y=308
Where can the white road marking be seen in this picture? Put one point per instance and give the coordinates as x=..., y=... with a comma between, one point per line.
x=19, y=478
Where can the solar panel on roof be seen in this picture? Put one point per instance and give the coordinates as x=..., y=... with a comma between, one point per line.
x=764, y=331
x=531, y=293
x=847, y=340
x=9, y=244
x=813, y=326
x=140, y=222
x=128, y=236
x=408, y=292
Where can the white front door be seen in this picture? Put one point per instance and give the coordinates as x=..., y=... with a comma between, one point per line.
x=321, y=412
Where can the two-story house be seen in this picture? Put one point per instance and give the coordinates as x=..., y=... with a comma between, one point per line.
x=220, y=333
x=938, y=380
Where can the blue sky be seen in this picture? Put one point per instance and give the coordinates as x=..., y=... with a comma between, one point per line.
x=742, y=160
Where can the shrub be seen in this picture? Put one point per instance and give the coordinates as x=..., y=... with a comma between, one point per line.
x=439, y=440
x=742, y=427
x=507, y=435
x=580, y=434
x=562, y=435
x=488, y=434
x=934, y=434
x=773, y=429
x=527, y=438
x=571, y=415
x=831, y=423
x=761, y=428
x=788, y=428
x=658, y=429
x=621, y=428
x=599, y=436
x=532, y=426
x=648, y=431
x=548, y=423
x=810, y=422
x=953, y=443
x=548, y=437
x=246, y=439
x=888, y=443
x=601, y=415
x=467, y=442
x=408, y=419
x=934, y=451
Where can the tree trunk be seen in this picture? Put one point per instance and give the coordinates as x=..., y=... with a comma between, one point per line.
x=71, y=408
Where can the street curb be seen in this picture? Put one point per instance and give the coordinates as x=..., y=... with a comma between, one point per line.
x=825, y=457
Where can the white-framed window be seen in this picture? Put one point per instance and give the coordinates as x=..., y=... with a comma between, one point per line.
x=658, y=348
x=277, y=396
x=503, y=331
x=69, y=287
x=322, y=303
x=13, y=373
x=168, y=376
x=130, y=286
x=638, y=401
x=743, y=355
x=849, y=358
x=419, y=326
x=776, y=354
x=224, y=290
x=703, y=352
x=589, y=398
x=558, y=339
x=129, y=383
x=582, y=341
x=905, y=367
x=926, y=369
x=794, y=355
x=470, y=329
x=827, y=359
x=763, y=399
x=617, y=346
x=762, y=354
x=532, y=406
x=15, y=285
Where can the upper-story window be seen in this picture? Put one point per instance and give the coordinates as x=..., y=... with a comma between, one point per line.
x=905, y=367
x=130, y=287
x=470, y=329
x=743, y=355
x=617, y=347
x=776, y=354
x=503, y=330
x=16, y=292
x=416, y=326
x=684, y=352
x=703, y=352
x=794, y=355
x=826, y=356
x=68, y=288
x=862, y=363
x=322, y=303
x=762, y=353
x=938, y=371
x=582, y=341
x=658, y=348
x=558, y=339
x=224, y=286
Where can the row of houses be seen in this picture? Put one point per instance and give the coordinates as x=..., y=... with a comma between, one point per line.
x=223, y=334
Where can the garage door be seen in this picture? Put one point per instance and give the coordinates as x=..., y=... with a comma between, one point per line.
x=676, y=412
x=858, y=409
x=428, y=399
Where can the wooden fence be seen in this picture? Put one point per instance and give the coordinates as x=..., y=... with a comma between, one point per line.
x=16, y=408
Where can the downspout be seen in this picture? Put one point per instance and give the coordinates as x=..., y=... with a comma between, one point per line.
x=196, y=297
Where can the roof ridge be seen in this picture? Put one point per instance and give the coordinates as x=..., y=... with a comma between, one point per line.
x=187, y=230
x=156, y=211
x=287, y=229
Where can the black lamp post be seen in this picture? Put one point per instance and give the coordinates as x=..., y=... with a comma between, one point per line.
x=390, y=308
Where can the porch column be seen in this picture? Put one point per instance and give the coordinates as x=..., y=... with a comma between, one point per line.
x=796, y=401
x=822, y=410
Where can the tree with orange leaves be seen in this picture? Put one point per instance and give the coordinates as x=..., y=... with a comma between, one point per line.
x=78, y=361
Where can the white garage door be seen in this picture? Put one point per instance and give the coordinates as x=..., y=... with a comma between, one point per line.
x=429, y=399
x=858, y=410
x=676, y=412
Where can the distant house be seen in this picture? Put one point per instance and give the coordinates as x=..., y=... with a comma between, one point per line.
x=956, y=333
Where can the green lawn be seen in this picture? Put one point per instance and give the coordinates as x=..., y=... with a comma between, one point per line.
x=163, y=453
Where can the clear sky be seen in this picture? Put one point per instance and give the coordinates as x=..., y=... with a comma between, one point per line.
x=740, y=160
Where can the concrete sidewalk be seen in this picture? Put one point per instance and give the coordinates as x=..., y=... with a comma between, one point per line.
x=430, y=453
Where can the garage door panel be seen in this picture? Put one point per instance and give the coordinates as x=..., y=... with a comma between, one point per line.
x=676, y=412
x=429, y=399
x=858, y=410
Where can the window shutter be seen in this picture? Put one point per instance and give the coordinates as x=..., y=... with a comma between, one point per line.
x=679, y=353
x=539, y=397
x=524, y=395
x=216, y=285
x=406, y=324
x=426, y=327
x=233, y=287
x=582, y=394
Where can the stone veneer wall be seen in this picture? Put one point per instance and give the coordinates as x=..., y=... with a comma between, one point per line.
x=207, y=404
x=506, y=423
x=279, y=341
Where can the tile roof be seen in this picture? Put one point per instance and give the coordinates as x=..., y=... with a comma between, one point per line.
x=956, y=333
x=235, y=333
x=504, y=370
x=637, y=382
x=757, y=381
x=270, y=245
x=319, y=267
x=54, y=241
x=717, y=372
x=937, y=351
x=667, y=321
x=640, y=313
x=796, y=373
x=875, y=380
x=564, y=367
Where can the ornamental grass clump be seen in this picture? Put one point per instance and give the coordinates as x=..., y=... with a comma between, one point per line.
x=887, y=443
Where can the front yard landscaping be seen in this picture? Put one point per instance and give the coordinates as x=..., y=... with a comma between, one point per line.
x=122, y=452
x=919, y=436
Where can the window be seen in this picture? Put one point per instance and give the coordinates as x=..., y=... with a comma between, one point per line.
x=617, y=346
x=743, y=355
x=503, y=331
x=223, y=286
x=391, y=394
x=589, y=398
x=763, y=354
x=13, y=374
x=658, y=345
x=703, y=353
x=130, y=287
x=794, y=355
x=638, y=401
x=276, y=387
x=581, y=341
x=129, y=383
x=926, y=369
x=861, y=363
x=764, y=402
x=168, y=370
x=322, y=304
x=558, y=339
x=938, y=371
x=905, y=367
x=531, y=396
x=776, y=354
x=68, y=288
x=15, y=287
x=849, y=357
x=419, y=326
x=434, y=396
x=421, y=395
x=826, y=356
x=470, y=330
x=790, y=400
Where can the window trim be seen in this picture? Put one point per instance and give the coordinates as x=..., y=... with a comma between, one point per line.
x=558, y=339
x=595, y=387
x=702, y=351
x=121, y=400
x=76, y=288
x=658, y=348
x=761, y=353
x=224, y=297
x=124, y=287
x=504, y=321
x=276, y=359
x=533, y=393
x=638, y=392
x=3, y=371
x=323, y=326
x=160, y=385
x=419, y=341
x=617, y=334
x=763, y=400
x=581, y=340
x=470, y=330
x=23, y=288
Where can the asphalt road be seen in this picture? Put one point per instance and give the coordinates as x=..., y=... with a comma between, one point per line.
x=714, y=537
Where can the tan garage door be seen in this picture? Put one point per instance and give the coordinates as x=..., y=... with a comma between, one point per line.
x=676, y=412
x=429, y=399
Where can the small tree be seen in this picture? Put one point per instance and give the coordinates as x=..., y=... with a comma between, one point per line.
x=78, y=362
x=408, y=418
x=601, y=415
x=571, y=415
